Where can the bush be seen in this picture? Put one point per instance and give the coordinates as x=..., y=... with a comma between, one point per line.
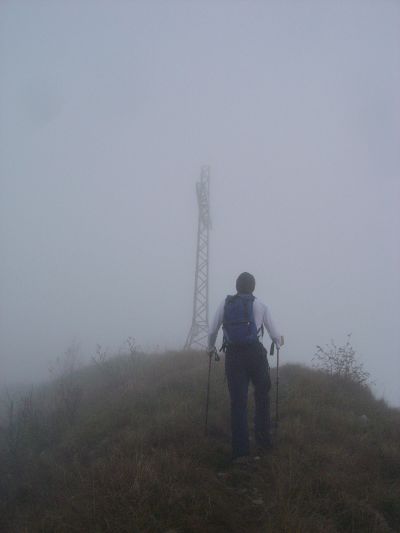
x=340, y=361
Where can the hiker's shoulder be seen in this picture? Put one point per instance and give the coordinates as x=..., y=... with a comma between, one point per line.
x=259, y=304
x=222, y=303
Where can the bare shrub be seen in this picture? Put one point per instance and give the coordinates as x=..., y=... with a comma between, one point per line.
x=100, y=358
x=133, y=354
x=340, y=361
x=118, y=369
x=133, y=347
x=68, y=390
x=24, y=427
x=12, y=428
x=107, y=367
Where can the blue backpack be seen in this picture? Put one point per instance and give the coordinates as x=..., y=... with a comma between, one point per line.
x=238, y=325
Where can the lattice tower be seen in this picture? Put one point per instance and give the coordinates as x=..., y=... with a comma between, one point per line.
x=197, y=338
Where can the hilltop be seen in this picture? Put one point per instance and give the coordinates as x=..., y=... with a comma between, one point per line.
x=119, y=446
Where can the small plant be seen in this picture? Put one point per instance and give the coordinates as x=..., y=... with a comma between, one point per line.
x=340, y=361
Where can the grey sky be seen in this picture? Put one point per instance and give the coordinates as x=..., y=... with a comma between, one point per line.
x=108, y=110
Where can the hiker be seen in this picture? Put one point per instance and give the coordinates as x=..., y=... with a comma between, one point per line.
x=243, y=317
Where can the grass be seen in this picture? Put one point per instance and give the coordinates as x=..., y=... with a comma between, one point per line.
x=127, y=453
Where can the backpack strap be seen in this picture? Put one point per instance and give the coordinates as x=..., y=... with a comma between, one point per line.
x=246, y=309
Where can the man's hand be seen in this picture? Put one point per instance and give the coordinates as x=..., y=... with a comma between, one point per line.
x=276, y=344
x=212, y=352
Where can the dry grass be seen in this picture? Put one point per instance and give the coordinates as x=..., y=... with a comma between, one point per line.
x=133, y=458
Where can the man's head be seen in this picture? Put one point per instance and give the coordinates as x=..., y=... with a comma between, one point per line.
x=245, y=283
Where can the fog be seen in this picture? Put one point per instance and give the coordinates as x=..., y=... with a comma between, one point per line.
x=107, y=112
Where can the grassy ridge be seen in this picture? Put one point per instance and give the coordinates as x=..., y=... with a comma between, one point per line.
x=119, y=447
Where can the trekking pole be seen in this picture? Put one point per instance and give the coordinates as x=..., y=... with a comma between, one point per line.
x=208, y=393
x=277, y=390
x=277, y=385
x=210, y=356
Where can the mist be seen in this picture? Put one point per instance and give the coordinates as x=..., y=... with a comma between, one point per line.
x=108, y=111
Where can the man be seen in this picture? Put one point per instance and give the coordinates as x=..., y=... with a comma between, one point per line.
x=243, y=318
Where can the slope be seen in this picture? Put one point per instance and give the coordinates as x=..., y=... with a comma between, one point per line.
x=119, y=446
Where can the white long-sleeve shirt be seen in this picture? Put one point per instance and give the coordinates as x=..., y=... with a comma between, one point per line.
x=262, y=317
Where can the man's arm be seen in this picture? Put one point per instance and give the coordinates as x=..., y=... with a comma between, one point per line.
x=271, y=328
x=215, y=325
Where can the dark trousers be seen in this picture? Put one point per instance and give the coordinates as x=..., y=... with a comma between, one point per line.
x=243, y=365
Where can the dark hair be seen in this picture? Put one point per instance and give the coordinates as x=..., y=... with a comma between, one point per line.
x=245, y=283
